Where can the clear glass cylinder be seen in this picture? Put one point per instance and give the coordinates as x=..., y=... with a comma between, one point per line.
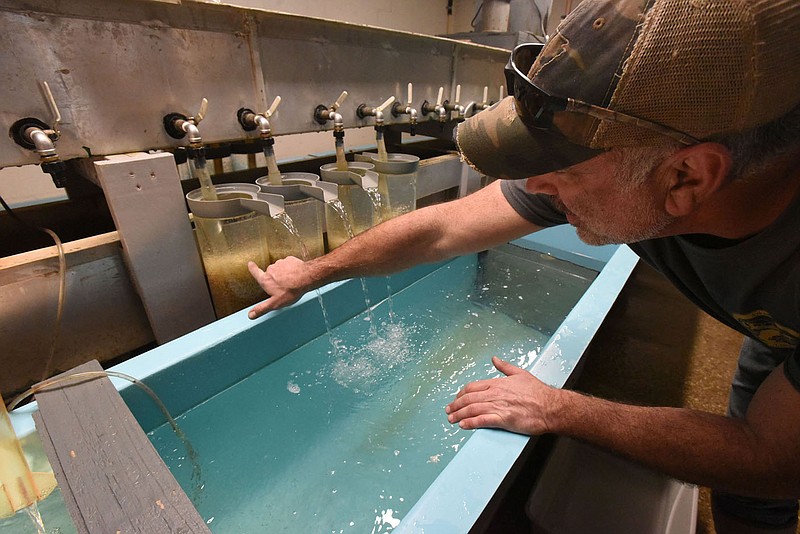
x=397, y=181
x=226, y=245
x=305, y=218
x=398, y=194
x=359, y=214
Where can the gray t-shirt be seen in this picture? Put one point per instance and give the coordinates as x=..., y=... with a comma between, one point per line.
x=751, y=285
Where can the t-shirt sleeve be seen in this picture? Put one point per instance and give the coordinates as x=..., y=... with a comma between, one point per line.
x=791, y=368
x=537, y=209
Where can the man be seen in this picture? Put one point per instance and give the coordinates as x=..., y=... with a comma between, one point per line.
x=674, y=126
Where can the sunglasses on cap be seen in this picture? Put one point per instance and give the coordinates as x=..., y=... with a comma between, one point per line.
x=536, y=106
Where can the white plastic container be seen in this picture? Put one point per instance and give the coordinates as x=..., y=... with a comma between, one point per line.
x=583, y=489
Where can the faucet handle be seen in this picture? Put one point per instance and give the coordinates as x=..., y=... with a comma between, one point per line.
x=439, y=96
x=202, y=112
x=273, y=107
x=51, y=103
x=502, y=93
x=458, y=94
x=485, y=95
x=339, y=101
x=410, y=93
x=385, y=104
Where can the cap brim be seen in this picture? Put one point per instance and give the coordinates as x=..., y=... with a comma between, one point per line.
x=496, y=143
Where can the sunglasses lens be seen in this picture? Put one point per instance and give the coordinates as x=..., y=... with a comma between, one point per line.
x=524, y=56
x=531, y=102
x=531, y=107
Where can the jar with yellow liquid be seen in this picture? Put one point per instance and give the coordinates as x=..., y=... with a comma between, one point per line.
x=360, y=203
x=231, y=231
x=397, y=182
x=304, y=201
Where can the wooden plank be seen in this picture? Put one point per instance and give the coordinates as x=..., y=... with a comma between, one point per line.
x=52, y=252
x=58, y=470
x=112, y=478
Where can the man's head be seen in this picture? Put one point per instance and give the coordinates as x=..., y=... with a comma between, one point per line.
x=691, y=70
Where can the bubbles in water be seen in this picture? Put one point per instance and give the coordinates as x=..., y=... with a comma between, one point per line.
x=292, y=387
x=385, y=519
x=366, y=365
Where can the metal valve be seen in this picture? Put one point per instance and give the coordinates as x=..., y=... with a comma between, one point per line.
x=438, y=108
x=250, y=120
x=364, y=111
x=178, y=125
x=398, y=109
x=33, y=134
x=323, y=114
x=461, y=111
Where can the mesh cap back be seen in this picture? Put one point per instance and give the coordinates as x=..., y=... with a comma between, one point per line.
x=707, y=67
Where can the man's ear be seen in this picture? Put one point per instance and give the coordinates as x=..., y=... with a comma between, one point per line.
x=694, y=174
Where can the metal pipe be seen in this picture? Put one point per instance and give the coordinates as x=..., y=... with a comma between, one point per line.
x=441, y=111
x=192, y=130
x=44, y=145
x=263, y=126
x=495, y=16
x=324, y=114
x=338, y=122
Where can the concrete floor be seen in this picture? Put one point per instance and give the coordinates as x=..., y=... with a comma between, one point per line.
x=657, y=348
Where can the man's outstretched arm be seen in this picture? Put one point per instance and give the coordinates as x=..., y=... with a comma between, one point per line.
x=470, y=224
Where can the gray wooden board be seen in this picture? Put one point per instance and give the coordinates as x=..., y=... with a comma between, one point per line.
x=111, y=476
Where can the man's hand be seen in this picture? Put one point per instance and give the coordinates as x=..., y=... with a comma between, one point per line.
x=518, y=402
x=283, y=282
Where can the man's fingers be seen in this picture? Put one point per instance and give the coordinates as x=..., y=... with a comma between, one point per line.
x=487, y=420
x=506, y=368
x=254, y=269
x=259, y=309
x=474, y=387
x=472, y=409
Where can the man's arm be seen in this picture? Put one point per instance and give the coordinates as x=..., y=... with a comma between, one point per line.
x=758, y=455
x=470, y=224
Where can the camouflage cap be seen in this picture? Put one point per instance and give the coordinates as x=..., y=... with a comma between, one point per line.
x=703, y=67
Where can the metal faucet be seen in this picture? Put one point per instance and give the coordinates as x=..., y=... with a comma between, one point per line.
x=483, y=104
x=250, y=120
x=460, y=111
x=33, y=134
x=178, y=125
x=398, y=109
x=364, y=111
x=438, y=108
x=323, y=114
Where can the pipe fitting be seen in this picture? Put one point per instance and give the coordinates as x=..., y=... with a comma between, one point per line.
x=364, y=111
x=43, y=144
x=193, y=131
x=264, y=128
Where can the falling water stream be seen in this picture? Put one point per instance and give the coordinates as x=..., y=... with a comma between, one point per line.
x=273, y=174
x=286, y=221
x=375, y=198
x=341, y=163
x=341, y=211
x=199, y=170
x=36, y=517
x=382, y=154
